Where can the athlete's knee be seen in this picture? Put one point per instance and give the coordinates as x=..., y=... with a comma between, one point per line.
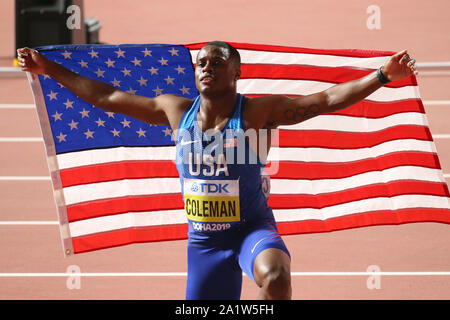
x=276, y=282
x=273, y=275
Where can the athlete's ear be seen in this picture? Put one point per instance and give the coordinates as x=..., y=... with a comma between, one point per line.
x=238, y=75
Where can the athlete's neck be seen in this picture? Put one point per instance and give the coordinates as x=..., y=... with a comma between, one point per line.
x=215, y=111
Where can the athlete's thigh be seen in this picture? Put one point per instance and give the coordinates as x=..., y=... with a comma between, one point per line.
x=213, y=273
x=259, y=238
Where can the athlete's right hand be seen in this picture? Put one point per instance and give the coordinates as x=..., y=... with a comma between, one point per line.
x=30, y=60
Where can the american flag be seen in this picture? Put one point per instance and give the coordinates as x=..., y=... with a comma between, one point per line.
x=114, y=177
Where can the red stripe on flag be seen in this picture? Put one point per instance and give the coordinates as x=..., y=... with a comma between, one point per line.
x=391, y=189
x=350, y=140
x=274, y=48
x=179, y=232
x=287, y=169
x=127, y=236
x=312, y=73
x=319, y=170
x=397, y=217
x=370, y=109
x=104, y=207
x=117, y=171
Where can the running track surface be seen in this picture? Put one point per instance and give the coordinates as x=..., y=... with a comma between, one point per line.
x=27, y=250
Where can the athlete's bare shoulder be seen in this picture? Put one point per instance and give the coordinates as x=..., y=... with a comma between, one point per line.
x=174, y=107
x=257, y=111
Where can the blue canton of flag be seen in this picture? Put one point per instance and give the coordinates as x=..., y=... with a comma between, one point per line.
x=147, y=70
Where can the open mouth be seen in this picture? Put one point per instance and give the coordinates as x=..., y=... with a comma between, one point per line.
x=207, y=79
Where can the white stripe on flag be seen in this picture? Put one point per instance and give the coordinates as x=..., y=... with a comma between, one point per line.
x=319, y=186
x=143, y=219
x=331, y=122
x=361, y=206
x=287, y=58
x=303, y=87
x=136, y=187
x=120, y=188
x=126, y=220
x=93, y=157
x=98, y=156
x=346, y=155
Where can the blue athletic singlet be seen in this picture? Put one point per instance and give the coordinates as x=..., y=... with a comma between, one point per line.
x=229, y=219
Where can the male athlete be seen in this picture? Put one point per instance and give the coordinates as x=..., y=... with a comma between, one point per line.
x=231, y=227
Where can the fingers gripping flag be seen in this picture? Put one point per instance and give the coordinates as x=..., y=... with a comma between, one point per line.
x=115, y=180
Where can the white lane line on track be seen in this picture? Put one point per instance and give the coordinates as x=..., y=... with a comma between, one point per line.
x=436, y=102
x=28, y=223
x=21, y=139
x=17, y=106
x=25, y=178
x=183, y=274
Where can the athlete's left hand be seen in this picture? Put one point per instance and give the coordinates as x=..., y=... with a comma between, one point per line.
x=399, y=66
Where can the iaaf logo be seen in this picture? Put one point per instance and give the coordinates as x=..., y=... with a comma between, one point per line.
x=209, y=187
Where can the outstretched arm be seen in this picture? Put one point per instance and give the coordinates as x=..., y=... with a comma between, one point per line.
x=161, y=110
x=280, y=110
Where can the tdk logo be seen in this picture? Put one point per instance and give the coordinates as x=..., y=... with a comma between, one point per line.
x=210, y=187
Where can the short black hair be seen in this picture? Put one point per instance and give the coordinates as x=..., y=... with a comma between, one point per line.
x=234, y=54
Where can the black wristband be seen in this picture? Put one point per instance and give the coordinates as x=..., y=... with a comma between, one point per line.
x=381, y=76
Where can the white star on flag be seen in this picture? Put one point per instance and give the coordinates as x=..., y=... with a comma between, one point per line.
x=116, y=82
x=185, y=90
x=147, y=52
x=110, y=63
x=163, y=61
x=126, y=72
x=57, y=116
x=100, y=122
x=115, y=132
x=120, y=53
x=84, y=113
x=180, y=69
x=73, y=125
x=61, y=137
x=141, y=132
x=93, y=54
x=67, y=55
x=153, y=70
x=99, y=73
x=169, y=80
x=173, y=52
x=69, y=104
x=52, y=95
x=83, y=64
x=126, y=123
x=142, y=81
x=136, y=62
x=89, y=134
x=158, y=91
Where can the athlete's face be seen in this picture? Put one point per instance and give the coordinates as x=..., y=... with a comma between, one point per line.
x=215, y=72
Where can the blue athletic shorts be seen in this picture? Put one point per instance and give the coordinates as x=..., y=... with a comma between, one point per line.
x=215, y=264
